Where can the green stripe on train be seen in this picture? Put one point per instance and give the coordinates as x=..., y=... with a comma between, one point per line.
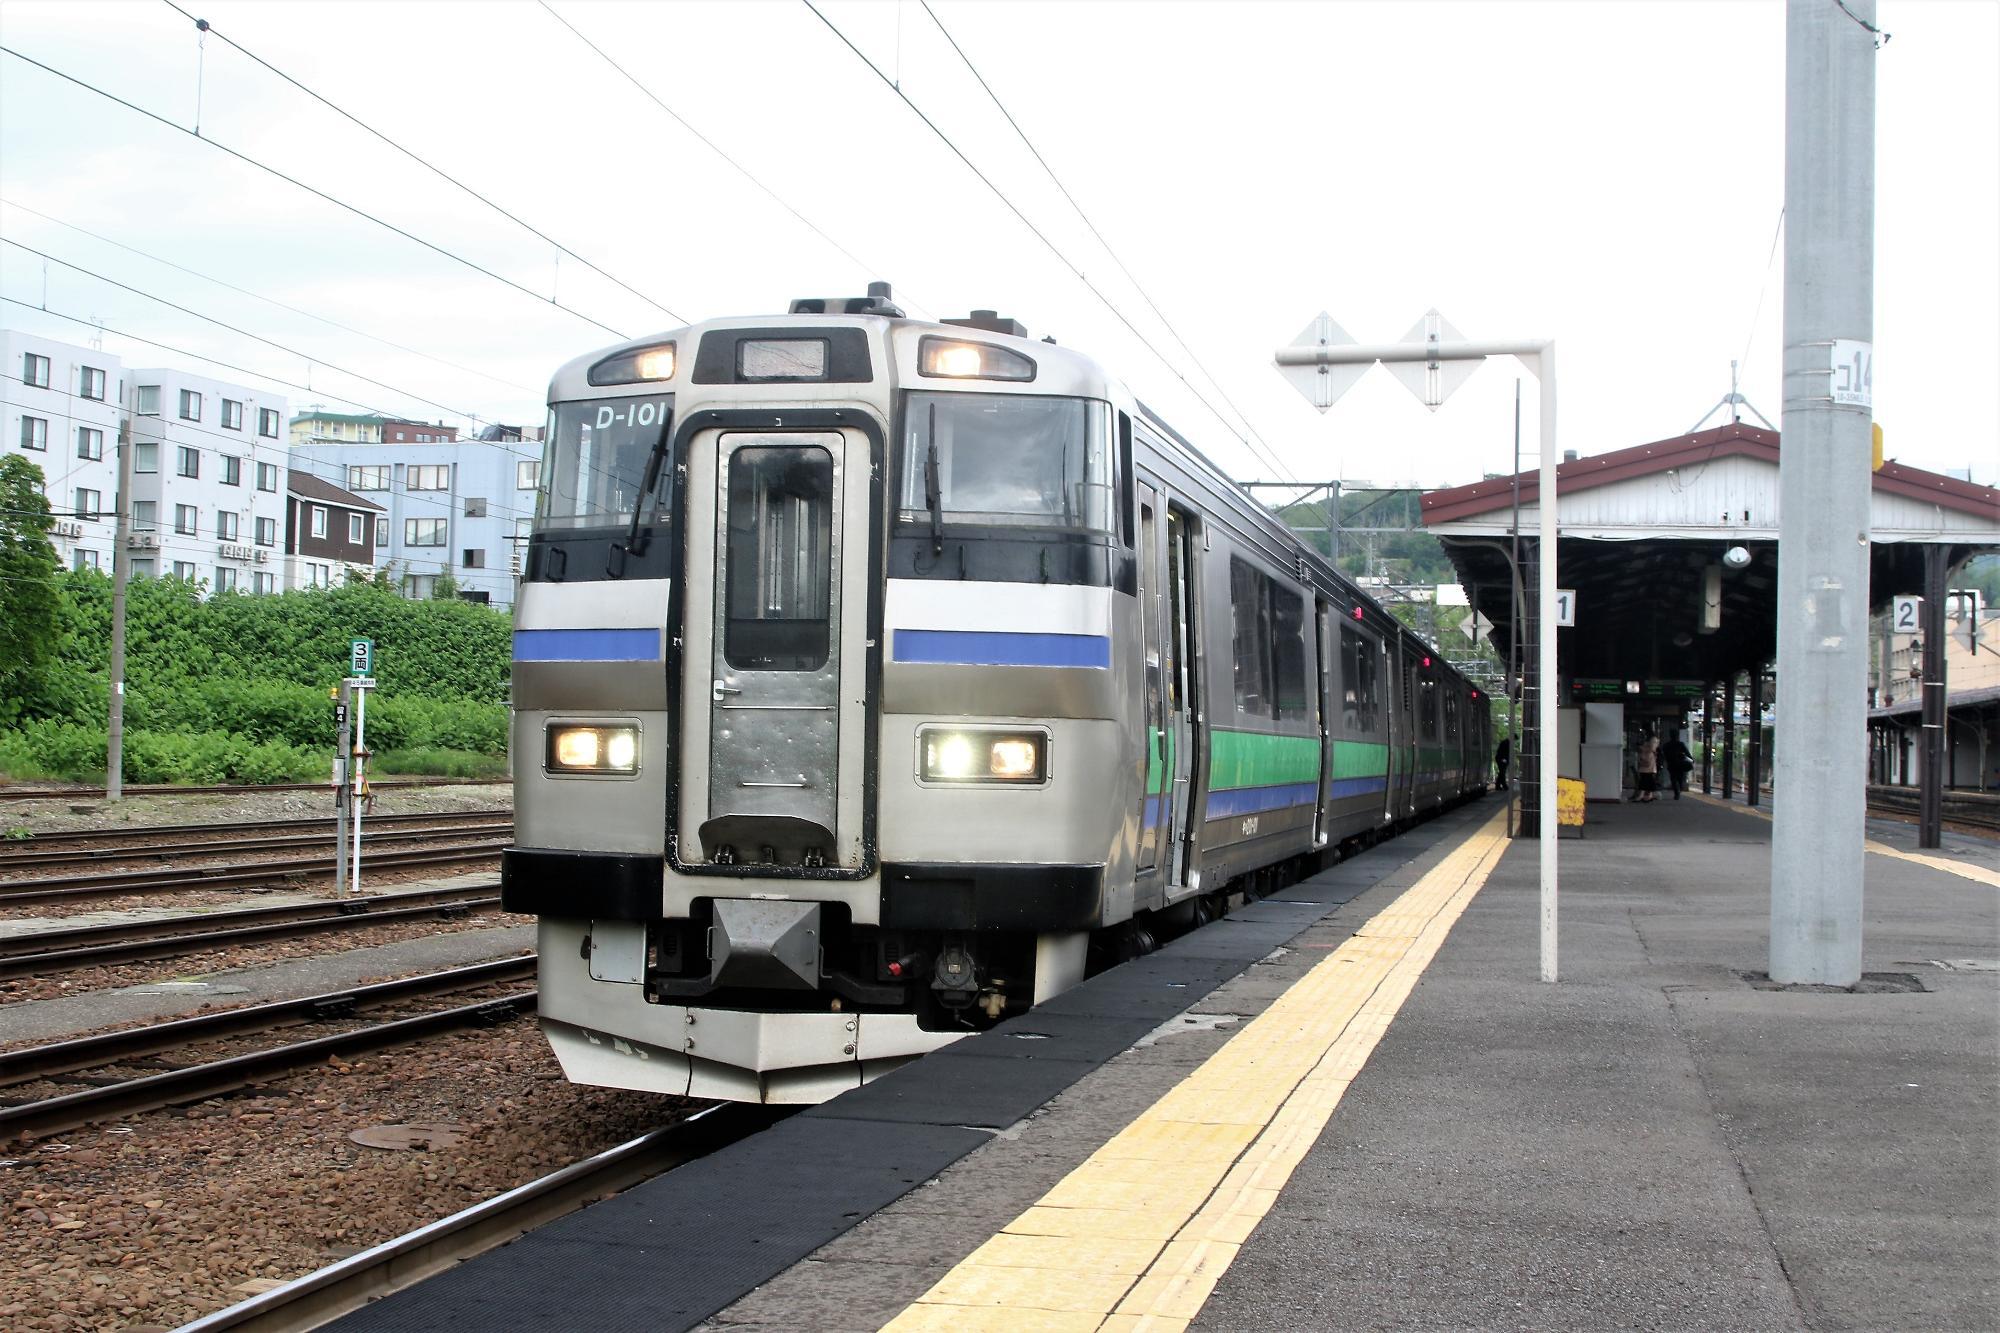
x=1247, y=759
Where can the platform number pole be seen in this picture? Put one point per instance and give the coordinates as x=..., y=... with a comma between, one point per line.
x=341, y=801
x=1432, y=361
x=1819, y=798
x=1930, y=773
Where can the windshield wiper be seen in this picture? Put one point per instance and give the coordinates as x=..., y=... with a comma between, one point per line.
x=933, y=490
x=636, y=541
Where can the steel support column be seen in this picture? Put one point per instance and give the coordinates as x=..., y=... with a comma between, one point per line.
x=1729, y=739
x=1707, y=736
x=1753, y=758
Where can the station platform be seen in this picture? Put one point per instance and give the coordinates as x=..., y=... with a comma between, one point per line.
x=1355, y=1103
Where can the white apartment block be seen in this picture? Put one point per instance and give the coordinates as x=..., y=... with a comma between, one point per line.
x=208, y=480
x=62, y=412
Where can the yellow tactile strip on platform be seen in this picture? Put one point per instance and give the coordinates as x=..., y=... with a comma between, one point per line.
x=1964, y=869
x=1139, y=1234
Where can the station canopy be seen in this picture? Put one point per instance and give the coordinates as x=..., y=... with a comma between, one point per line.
x=1641, y=527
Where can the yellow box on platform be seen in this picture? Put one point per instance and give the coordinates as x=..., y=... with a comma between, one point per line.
x=1569, y=802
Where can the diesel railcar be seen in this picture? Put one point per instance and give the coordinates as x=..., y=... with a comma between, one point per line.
x=872, y=676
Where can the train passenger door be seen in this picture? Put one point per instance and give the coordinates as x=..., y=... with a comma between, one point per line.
x=1328, y=641
x=769, y=773
x=1156, y=802
x=1183, y=704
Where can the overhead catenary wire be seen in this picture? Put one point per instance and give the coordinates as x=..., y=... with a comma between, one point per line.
x=337, y=202
x=711, y=145
x=422, y=161
x=268, y=300
x=1043, y=237
x=1102, y=240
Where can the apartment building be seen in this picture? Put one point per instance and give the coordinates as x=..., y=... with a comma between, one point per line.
x=460, y=506
x=329, y=532
x=62, y=407
x=320, y=425
x=208, y=483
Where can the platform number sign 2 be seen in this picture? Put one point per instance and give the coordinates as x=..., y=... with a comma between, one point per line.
x=361, y=658
x=1905, y=618
x=1566, y=608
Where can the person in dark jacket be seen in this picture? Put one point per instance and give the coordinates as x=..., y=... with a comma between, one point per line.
x=1678, y=761
x=1501, y=758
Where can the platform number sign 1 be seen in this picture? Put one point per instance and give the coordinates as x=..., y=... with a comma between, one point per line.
x=1905, y=618
x=1566, y=608
x=361, y=658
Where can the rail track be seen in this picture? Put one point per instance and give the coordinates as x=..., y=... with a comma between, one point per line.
x=1971, y=809
x=154, y=842
x=41, y=952
x=236, y=875
x=103, y=1100
x=19, y=793
x=319, y=1297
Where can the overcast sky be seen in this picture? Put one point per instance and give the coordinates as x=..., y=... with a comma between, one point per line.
x=1607, y=174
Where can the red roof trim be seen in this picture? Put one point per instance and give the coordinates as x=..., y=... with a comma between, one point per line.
x=1496, y=493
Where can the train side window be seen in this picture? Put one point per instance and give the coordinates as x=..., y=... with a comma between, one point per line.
x=1251, y=641
x=1127, y=484
x=1288, y=624
x=1360, y=682
x=1427, y=709
x=1451, y=717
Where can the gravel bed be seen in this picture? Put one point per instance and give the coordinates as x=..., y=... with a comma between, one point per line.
x=211, y=961
x=56, y=814
x=302, y=1030
x=168, y=1216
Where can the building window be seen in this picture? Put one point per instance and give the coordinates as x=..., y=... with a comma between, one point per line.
x=423, y=532
x=357, y=529
x=190, y=405
x=475, y=508
x=382, y=532
x=372, y=478
x=187, y=520
x=187, y=461
x=89, y=442
x=184, y=570
x=35, y=371
x=418, y=587
x=263, y=582
x=267, y=531
x=145, y=515
x=474, y=558
x=225, y=579
x=319, y=521
x=145, y=457
x=267, y=476
x=147, y=404
x=528, y=475
x=89, y=503
x=267, y=422
x=34, y=433
x=428, y=477
x=232, y=414
x=82, y=558
x=232, y=470
x=227, y=525
x=90, y=383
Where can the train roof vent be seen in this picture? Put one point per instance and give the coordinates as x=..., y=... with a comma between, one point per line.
x=877, y=302
x=990, y=321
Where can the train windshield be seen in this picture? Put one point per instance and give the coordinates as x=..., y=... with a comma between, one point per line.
x=1007, y=460
x=595, y=461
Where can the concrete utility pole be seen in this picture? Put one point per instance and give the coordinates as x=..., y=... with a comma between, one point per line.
x=1820, y=800
x=1930, y=772
x=121, y=573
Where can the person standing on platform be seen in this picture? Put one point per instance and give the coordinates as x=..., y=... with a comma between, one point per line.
x=1648, y=780
x=1501, y=758
x=1679, y=761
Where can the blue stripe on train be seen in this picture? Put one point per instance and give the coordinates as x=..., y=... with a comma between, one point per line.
x=586, y=645
x=996, y=648
x=1254, y=800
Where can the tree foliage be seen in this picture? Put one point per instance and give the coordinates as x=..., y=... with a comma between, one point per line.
x=30, y=610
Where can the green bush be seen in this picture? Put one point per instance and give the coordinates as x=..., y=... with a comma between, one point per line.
x=430, y=761
x=75, y=753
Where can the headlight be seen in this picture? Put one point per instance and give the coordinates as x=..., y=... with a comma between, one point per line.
x=636, y=366
x=593, y=749
x=983, y=756
x=948, y=358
